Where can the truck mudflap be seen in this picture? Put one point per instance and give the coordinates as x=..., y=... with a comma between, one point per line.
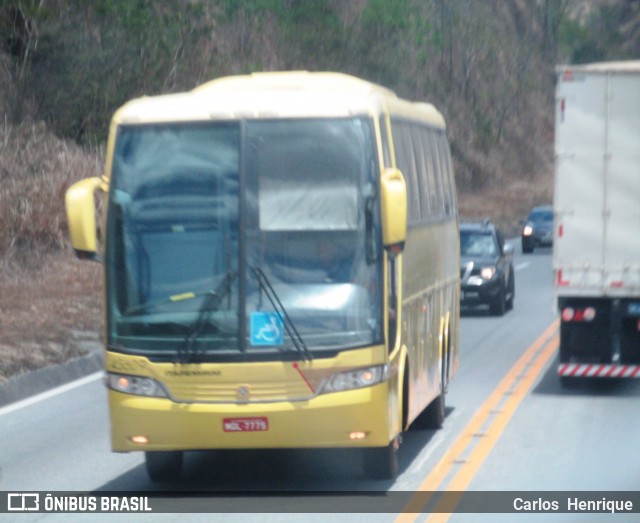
x=594, y=370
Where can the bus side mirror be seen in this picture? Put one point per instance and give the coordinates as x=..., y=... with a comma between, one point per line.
x=81, y=216
x=393, y=193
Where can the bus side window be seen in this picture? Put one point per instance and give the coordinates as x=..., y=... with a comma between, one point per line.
x=404, y=161
x=438, y=199
x=414, y=186
x=422, y=169
x=432, y=188
x=445, y=163
x=384, y=137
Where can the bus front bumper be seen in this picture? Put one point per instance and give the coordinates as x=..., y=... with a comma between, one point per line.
x=355, y=418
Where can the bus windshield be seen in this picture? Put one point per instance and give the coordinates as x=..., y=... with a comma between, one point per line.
x=198, y=213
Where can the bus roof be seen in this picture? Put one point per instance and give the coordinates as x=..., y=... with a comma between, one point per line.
x=275, y=95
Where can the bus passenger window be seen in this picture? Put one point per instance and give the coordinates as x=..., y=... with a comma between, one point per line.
x=422, y=169
x=438, y=199
x=384, y=137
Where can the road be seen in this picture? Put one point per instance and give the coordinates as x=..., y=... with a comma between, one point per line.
x=509, y=426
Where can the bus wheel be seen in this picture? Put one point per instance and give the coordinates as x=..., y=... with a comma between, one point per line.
x=163, y=466
x=381, y=462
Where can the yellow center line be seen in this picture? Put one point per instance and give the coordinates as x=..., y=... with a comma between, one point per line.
x=514, y=386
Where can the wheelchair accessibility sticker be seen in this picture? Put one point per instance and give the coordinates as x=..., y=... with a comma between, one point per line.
x=266, y=329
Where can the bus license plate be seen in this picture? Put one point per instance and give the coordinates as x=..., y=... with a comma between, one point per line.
x=245, y=424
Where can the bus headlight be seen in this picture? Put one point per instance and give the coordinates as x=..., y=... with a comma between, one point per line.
x=137, y=385
x=357, y=379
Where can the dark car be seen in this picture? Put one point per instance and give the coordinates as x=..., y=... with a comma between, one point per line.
x=486, y=268
x=538, y=229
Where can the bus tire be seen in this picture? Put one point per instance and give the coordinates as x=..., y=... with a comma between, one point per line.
x=380, y=462
x=163, y=466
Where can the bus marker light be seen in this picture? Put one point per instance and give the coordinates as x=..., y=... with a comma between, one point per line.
x=139, y=440
x=356, y=436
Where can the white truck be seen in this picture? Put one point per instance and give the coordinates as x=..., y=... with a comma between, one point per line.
x=596, y=249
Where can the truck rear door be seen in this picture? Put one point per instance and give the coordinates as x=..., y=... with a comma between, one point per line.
x=622, y=237
x=579, y=241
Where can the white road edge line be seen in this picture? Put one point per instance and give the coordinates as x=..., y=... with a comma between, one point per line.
x=51, y=393
x=521, y=266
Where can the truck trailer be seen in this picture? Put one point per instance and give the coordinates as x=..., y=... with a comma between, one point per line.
x=596, y=254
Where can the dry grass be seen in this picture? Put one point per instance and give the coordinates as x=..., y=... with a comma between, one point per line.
x=47, y=311
x=36, y=168
x=49, y=301
x=508, y=204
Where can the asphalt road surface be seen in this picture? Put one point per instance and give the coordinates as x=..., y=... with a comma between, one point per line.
x=511, y=431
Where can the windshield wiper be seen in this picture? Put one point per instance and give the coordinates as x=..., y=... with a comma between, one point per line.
x=289, y=326
x=210, y=304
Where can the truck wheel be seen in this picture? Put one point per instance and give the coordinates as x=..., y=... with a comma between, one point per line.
x=163, y=466
x=568, y=382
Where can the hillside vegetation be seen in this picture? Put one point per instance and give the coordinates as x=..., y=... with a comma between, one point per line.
x=488, y=65
x=68, y=64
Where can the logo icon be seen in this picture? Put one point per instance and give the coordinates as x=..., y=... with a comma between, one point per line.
x=23, y=502
x=243, y=391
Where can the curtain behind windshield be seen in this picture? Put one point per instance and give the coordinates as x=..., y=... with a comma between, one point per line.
x=308, y=182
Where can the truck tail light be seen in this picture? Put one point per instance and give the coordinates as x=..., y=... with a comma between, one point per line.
x=589, y=314
x=567, y=314
x=578, y=315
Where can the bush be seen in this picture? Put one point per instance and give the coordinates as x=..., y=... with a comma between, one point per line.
x=36, y=168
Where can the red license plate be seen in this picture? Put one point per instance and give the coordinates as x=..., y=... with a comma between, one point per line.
x=245, y=424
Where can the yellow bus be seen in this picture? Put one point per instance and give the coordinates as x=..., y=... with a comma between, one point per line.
x=281, y=260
